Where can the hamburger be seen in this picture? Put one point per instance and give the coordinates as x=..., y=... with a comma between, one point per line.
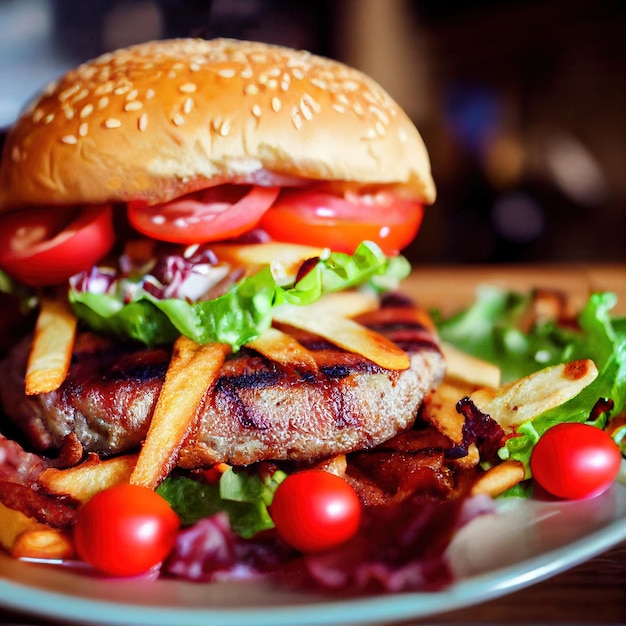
x=170, y=149
x=242, y=196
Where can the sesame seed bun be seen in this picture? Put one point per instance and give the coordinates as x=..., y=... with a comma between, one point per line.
x=161, y=119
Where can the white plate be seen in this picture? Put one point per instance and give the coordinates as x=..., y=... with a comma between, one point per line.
x=524, y=542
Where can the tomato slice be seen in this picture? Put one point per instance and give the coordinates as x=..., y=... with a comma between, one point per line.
x=319, y=218
x=45, y=246
x=213, y=214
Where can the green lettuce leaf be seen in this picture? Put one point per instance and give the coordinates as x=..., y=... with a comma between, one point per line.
x=241, y=314
x=245, y=498
x=490, y=329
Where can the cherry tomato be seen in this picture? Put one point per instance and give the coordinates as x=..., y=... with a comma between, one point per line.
x=573, y=461
x=213, y=214
x=45, y=246
x=314, y=510
x=322, y=219
x=125, y=530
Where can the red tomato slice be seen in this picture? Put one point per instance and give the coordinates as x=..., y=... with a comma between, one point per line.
x=317, y=218
x=214, y=214
x=45, y=246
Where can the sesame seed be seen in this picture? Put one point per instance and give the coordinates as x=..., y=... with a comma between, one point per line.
x=339, y=108
x=69, y=113
x=112, y=122
x=48, y=118
x=103, y=89
x=224, y=128
x=86, y=111
x=121, y=90
x=83, y=129
x=80, y=96
x=358, y=109
x=149, y=94
x=226, y=73
x=69, y=92
x=132, y=95
x=297, y=73
x=195, y=67
x=247, y=73
x=38, y=115
x=178, y=119
x=296, y=118
x=188, y=88
x=142, y=122
x=276, y=104
x=69, y=139
x=103, y=102
x=188, y=106
x=133, y=105
x=256, y=110
x=322, y=84
x=310, y=101
x=380, y=128
x=251, y=90
x=306, y=111
x=16, y=155
x=272, y=83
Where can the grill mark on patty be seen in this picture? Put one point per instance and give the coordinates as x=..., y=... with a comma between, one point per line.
x=257, y=410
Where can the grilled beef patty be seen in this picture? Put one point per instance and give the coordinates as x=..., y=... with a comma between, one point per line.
x=257, y=409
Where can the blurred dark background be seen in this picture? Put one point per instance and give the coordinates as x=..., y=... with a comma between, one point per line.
x=521, y=102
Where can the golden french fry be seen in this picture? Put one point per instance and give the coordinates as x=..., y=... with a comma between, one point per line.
x=515, y=403
x=83, y=481
x=51, y=351
x=467, y=368
x=439, y=410
x=284, y=259
x=12, y=524
x=328, y=319
x=191, y=372
x=284, y=349
x=43, y=542
x=497, y=479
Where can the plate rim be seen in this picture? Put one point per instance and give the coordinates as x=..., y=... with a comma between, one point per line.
x=462, y=593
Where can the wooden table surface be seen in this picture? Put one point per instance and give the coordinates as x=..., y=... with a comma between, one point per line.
x=593, y=592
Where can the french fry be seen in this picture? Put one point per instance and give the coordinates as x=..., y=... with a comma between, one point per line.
x=284, y=349
x=12, y=524
x=517, y=402
x=470, y=369
x=51, y=351
x=284, y=259
x=439, y=410
x=497, y=479
x=192, y=370
x=83, y=481
x=43, y=542
x=328, y=323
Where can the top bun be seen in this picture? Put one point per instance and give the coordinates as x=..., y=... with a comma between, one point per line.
x=161, y=119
